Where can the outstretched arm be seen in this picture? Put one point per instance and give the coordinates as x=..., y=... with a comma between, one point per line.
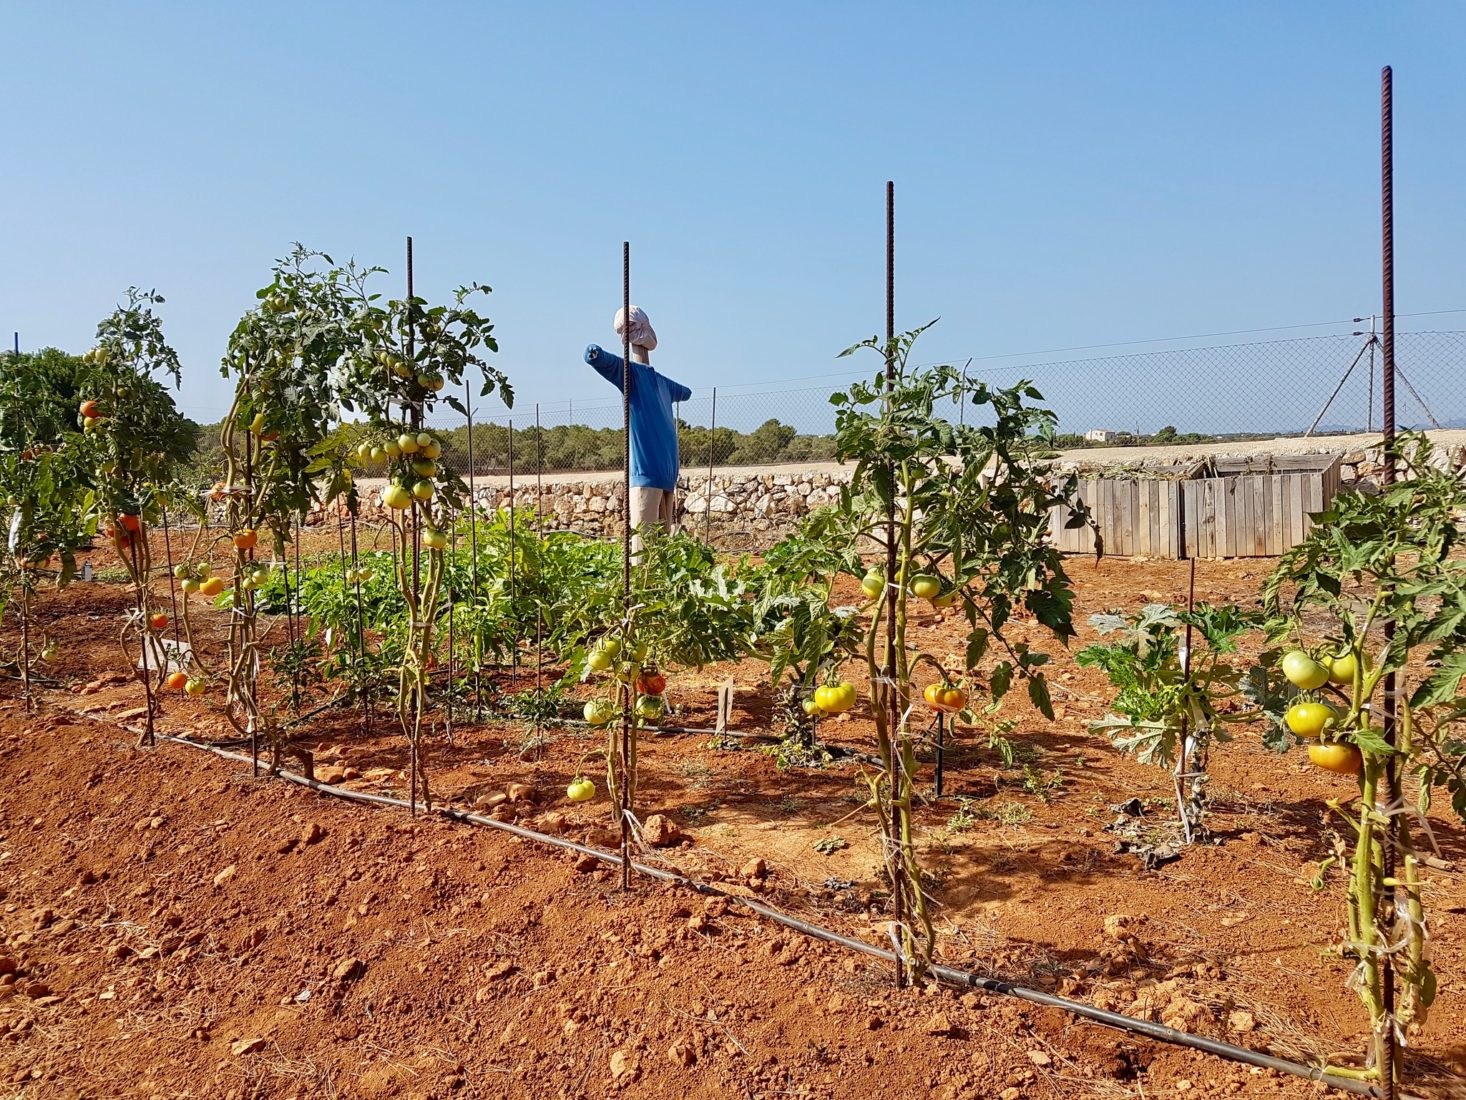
x=608, y=366
x=678, y=391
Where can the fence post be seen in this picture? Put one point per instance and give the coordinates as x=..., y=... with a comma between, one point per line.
x=707, y=518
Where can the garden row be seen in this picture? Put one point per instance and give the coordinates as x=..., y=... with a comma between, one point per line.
x=331, y=381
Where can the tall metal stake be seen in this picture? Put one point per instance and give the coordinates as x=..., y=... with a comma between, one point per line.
x=1390, y=1052
x=513, y=553
x=473, y=537
x=539, y=613
x=893, y=701
x=625, y=689
x=414, y=410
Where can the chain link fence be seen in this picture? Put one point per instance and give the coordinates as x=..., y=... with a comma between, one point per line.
x=1320, y=385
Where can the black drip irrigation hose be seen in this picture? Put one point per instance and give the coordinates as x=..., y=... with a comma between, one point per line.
x=961, y=979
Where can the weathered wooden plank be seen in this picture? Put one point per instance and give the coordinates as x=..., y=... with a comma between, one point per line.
x=1229, y=515
x=1265, y=515
x=1125, y=515
x=1291, y=524
x=1169, y=517
x=1144, y=537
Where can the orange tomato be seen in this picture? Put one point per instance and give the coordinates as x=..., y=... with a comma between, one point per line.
x=177, y=681
x=246, y=539
x=157, y=620
x=91, y=409
x=944, y=696
x=132, y=523
x=1336, y=756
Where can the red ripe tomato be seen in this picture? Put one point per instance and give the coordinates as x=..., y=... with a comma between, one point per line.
x=91, y=409
x=157, y=620
x=130, y=522
x=651, y=682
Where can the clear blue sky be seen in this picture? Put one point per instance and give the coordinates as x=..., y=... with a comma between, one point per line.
x=1067, y=173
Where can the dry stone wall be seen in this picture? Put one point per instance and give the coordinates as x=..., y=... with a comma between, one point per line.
x=736, y=508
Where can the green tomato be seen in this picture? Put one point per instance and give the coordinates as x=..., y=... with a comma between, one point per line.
x=424, y=440
x=435, y=539
x=397, y=496
x=611, y=645
x=811, y=708
x=599, y=659
x=1303, y=671
x=872, y=583
x=650, y=707
x=1341, y=668
x=407, y=443
x=181, y=570
x=391, y=449
x=378, y=454
x=432, y=450
x=189, y=586
x=926, y=587
x=580, y=790
x=599, y=713
x=424, y=467
x=423, y=490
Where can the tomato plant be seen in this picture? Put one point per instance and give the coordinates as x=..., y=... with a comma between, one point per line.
x=133, y=450
x=1372, y=560
x=965, y=508
x=405, y=356
x=1173, y=703
x=280, y=356
x=800, y=631
x=687, y=610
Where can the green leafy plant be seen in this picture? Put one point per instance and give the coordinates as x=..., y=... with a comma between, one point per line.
x=962, y=512
x=134, y=442
x=405, y=356
x=1173, y=702
x=1383, y=572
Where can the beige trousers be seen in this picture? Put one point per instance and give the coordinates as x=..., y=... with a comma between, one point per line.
x=651, y=507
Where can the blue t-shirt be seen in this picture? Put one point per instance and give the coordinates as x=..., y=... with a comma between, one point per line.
x=653, y=427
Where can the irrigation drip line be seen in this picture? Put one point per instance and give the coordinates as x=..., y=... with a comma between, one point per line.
x=948, y=975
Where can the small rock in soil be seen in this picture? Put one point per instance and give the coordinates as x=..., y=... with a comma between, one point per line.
x=347, y=969
x=241, y=1047
x=501, y=969
x=1039, y=1058
x=660, y=832
x=520, y=792
x=939, y=1024
x=586, y=862
x=312, y=834
x=225, y=875
x=1242, y=1021
x=681, y=1054
x=755, y=868
x=623, y=1067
